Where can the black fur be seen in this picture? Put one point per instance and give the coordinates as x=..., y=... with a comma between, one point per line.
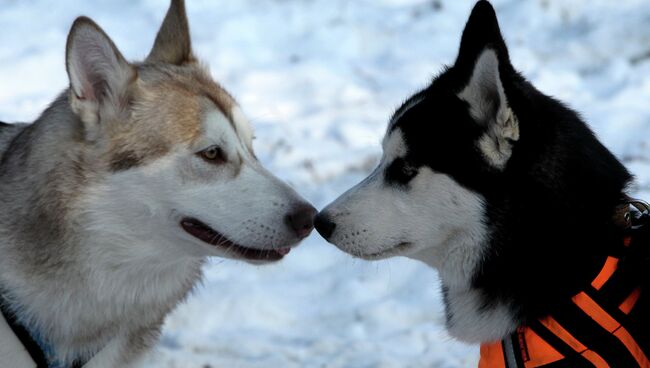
x=551, y=208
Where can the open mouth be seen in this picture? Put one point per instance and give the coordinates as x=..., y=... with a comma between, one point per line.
x=208, y=235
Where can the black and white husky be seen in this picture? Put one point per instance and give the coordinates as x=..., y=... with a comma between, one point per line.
x=501, y=188
x=113, y=198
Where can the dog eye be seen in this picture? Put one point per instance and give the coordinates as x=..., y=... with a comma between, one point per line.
x=408, y=172
x=401, y=171
x=213, y=154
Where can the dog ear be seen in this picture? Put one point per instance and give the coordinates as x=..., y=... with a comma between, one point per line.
x=483, y=58
x=99, y=75
x=481, y=31
x=173, y=45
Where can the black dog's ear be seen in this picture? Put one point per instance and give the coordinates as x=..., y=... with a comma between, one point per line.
x=481, y=31
x=483, y=61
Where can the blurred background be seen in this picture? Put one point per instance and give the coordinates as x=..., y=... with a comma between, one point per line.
x=319, y=80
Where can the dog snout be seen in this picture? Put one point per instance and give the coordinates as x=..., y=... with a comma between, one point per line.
x=301, y=220
x=324, y=225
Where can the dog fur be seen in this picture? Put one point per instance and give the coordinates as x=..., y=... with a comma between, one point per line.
x=501, y=188
x=101, y=195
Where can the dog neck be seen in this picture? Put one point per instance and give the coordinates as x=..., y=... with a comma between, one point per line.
x=75, y=284
x=491, y=286
x=469, y=316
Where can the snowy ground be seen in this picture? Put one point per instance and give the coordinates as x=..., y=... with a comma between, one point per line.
x=319, y=79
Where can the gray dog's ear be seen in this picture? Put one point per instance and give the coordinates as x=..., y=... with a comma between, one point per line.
x=488, y=105
x=173, y=45
x=99, y=74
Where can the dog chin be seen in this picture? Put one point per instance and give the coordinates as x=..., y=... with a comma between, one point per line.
x=400, y=249
x=249, y=254
x=261, y=257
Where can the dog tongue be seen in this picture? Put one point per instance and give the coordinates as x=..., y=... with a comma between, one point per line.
x=283, y=251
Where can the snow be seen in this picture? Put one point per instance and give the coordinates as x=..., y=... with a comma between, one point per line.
x=319, y=79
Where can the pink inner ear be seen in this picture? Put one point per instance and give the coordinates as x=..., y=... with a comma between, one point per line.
x=88, y=93
x=94, y=63
x=85, y=74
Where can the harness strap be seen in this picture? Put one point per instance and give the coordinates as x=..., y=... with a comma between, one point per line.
x=12, y=352
x=492, y=356
x=36, y=356
x=606, y=321
x=606, y=273
x=628, y=304
x=30, y=346
x=601, y=313
x=515, y=350
x=579, y=352
x=548, y=343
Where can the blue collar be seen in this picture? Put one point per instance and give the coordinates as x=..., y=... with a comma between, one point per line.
x=41, y=352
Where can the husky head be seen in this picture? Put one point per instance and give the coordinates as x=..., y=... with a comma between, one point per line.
x=488, y=180
x=442, y=147
x=175, y=153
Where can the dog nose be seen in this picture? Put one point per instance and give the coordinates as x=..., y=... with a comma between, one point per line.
x=301, y=220
x=324, y=226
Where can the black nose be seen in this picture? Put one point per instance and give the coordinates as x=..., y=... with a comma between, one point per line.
x=301, y=220
x=324, y=226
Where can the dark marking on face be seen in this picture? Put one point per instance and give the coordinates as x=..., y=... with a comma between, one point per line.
x=125, y=160
x=440, y=133
x=404, y=108
x=128, y=158
x=400, y=172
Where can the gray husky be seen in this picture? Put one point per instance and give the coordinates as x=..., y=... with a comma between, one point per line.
x=113, y=198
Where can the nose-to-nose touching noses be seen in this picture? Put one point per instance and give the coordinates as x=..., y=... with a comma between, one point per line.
x=324, y=225
x=301, y=220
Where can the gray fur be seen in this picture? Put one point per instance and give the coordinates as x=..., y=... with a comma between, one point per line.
x=107, y=203
x=45, y=168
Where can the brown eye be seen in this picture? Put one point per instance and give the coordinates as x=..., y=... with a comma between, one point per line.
x=213, y=154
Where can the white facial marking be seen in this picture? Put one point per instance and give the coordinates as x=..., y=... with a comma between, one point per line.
x=243, y=126
x=218, y=131
x=394, y=146
x=376, y=219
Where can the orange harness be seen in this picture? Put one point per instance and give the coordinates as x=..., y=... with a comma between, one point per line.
x=595, y=328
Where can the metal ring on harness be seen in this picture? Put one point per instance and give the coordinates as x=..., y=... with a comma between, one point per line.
x=637, y=214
